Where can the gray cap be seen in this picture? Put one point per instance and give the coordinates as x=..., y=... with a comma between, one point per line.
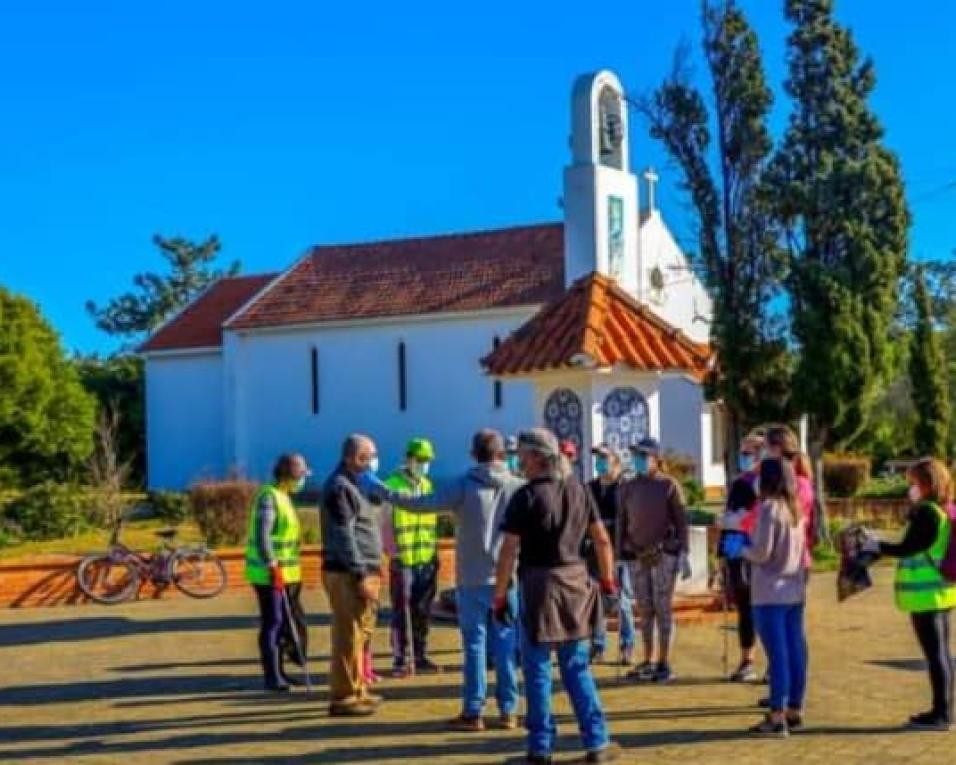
x=539, y=440
x=647, y=445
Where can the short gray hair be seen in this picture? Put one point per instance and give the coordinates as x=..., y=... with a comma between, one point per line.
x=543, y=442
x=353, y=443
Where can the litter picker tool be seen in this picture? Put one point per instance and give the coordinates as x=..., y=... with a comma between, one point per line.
x=287, y=607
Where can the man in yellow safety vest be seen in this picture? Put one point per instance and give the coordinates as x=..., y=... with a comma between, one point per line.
x=413, y=570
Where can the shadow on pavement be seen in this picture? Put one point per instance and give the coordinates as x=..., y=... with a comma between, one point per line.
x=98, y=627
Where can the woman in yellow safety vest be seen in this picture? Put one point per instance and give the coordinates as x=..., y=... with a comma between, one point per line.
x=273, y=567
x=921, y=589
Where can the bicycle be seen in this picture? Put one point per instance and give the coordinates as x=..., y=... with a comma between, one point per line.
x=116, y=575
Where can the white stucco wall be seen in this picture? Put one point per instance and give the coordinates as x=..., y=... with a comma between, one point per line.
x=683, y=302
x=685, y=426
x=184, y=418
x=269, y=389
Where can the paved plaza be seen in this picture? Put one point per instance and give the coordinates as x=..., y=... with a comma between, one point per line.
x=177, y=682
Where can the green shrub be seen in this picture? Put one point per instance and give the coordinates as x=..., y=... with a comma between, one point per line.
x=682, y=467
x=446, y=527
x=311, y=529
x=697, y=516
x=845, y=474
x=887, y=487
x=49, y=510
x=171, y=506
x=694, y=495
x=10, y=534
x=221, y=509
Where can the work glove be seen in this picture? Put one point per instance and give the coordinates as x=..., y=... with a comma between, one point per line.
x=278, y=580
x=501, y=610
x=683, y=563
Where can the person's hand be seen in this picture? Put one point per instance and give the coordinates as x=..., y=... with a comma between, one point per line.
x=501, y=610
x=275, y=574
x=683, y=562
x=368, y=588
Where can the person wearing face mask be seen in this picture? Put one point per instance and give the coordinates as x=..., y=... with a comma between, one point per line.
x=604, y=489
x=351, y=574
x=511, y=456
x=741, y=506
x=653, y=540
x=413, y=569
x=273, y=567
x=922, y=591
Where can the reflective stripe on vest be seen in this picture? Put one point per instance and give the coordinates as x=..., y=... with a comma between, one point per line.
x=284, y=537
x=919, y=584
x=416, y=534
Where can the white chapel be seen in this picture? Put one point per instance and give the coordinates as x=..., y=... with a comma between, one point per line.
x=594, y=326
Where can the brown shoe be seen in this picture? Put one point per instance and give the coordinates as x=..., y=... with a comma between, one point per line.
x=507, y=722
x=351, y=709
x=466, y=724
x=371, y=699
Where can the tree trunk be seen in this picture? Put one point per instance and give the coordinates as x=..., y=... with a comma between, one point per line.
x=817, y=447
x=733, y=436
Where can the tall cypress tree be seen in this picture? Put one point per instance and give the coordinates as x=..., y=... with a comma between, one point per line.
x=840, y=196
x=928, y=377
x=739, y=256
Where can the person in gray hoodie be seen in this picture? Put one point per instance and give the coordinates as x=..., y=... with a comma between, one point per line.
x=477, y=500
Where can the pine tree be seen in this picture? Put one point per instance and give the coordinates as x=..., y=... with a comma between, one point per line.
x=840, y=195
x=739, y=254
x=156, y=297
x=928, y=377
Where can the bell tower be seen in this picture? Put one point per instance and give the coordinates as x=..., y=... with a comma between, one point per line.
x=600, y=192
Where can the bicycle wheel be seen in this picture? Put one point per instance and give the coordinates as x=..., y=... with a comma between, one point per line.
x=198, y=572
x=107, y=580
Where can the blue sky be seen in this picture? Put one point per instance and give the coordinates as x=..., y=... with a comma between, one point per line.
x=288, y=124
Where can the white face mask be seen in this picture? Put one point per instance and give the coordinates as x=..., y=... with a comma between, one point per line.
x=373, y=464
x=423, y=468
x=914, y=494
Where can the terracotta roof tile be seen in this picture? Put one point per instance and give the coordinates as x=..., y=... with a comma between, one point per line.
x=459, y=272
x=597, y=322
x=199, y=325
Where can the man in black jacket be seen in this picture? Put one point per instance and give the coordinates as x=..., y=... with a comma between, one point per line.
x=351, y=573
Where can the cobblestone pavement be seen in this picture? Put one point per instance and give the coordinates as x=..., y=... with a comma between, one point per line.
x=176, y=682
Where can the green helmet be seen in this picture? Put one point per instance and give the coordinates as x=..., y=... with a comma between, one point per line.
x=421, y=449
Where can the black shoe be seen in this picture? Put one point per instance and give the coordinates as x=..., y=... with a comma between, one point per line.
x=764, y=703
x=538, y=759
x=794, y=721
x=767, y=728
x=425, y=666
x=664, y=674
x=930, y=721
x=597, y=655
x=280, y=687
x=294, y=682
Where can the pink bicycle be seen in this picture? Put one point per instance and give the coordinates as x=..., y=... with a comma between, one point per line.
x=116, y=575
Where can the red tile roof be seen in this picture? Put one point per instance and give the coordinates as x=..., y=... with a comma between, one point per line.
x=199, y=325
x=457, y=272
x=597, y=323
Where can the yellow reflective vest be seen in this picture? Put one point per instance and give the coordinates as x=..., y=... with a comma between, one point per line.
x=285, y=539
x=920, y=586
x=416, y=534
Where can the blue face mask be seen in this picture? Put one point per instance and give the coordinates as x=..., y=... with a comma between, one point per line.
x=601, y=466
x=642, y=464
x=511, y=460
x=746, y=463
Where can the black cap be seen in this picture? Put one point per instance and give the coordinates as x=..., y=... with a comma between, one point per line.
x=647, y=445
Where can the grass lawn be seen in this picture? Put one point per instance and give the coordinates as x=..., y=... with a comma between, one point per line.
x=139, y=535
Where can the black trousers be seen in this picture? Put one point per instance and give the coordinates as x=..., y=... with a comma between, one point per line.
x=932, y=631
x=274, y=632
x=738, y=588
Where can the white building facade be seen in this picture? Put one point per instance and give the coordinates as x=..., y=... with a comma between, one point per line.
x=389, y=338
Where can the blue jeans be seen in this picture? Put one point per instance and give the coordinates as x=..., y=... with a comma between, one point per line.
x=626, y=633
x=574, y=663
x=784, y=641
x=477, y=636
